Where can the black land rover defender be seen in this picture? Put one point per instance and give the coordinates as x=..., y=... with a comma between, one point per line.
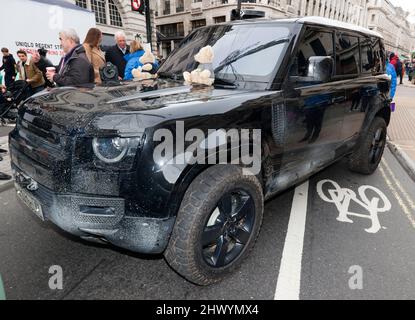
x=86, y=159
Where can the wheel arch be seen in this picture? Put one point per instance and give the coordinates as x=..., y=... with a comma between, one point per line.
x=379, y=106
x=385, y=113
x=189, y=173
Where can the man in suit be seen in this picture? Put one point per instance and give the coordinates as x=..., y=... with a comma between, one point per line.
x=115, y=54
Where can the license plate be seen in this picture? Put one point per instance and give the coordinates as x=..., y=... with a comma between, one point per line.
x=30, y=201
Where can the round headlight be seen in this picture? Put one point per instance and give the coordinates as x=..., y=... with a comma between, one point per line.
x=110, y=150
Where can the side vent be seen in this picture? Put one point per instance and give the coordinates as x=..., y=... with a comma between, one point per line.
x=279, y=124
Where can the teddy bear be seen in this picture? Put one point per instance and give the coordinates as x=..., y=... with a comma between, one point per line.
x=148, y=68
x=204, y=72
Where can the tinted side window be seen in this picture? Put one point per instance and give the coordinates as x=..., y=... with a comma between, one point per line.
x=379, y=55
x=373, y=56
x=368, y=57
x=314, y=43
x=347, y=55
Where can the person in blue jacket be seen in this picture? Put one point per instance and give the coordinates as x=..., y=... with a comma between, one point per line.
x=390, y=70
x=133, y=59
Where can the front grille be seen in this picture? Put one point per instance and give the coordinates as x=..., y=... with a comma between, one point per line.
x=43, y=155
x=38, y=148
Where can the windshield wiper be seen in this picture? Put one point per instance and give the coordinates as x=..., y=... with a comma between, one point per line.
x=169, y=75
x=225, y=83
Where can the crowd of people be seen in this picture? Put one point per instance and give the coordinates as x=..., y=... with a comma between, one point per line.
x=402, y=68
x=410, y=71
x=397, y=69
x=80, y=65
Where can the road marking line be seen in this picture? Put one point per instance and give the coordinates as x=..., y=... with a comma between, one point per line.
x=397, y=197
x=289, y=277
x=398, y=184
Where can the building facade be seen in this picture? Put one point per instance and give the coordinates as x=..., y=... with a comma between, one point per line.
x=350, y=11
x=116, y=15
x=172, y=20
x=176, y=18
x=392, y=23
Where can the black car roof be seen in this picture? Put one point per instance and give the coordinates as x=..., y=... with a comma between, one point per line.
x=314, y=20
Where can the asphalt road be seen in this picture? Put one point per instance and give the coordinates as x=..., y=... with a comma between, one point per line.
x=385, y=260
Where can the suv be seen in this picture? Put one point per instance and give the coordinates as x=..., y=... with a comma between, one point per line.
x=103, y=163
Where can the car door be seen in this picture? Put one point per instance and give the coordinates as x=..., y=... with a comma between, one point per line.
x=316, y=109
x=360, y=88
x=306, y=126
x=348, y=72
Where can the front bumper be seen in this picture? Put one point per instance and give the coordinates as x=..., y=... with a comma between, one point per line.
x=99, y=218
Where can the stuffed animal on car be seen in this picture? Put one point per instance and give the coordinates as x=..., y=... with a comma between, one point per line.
x=148, y=70
x=204, y=73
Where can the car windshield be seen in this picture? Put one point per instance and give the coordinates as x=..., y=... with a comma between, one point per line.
x=242, y=52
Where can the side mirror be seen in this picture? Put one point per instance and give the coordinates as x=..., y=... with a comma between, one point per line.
x=320, y=69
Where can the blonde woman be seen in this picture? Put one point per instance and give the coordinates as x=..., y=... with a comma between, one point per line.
x=133, y=59
x=95, y=55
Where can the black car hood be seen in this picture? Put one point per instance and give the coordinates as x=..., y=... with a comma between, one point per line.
x=70, y=109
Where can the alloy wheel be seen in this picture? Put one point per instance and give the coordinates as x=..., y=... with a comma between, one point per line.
x=228, y=229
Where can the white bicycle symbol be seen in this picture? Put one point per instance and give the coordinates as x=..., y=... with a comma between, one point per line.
x=342, y=198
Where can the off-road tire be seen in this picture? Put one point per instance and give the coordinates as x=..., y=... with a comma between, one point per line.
x=184, y=252
x=359, y=160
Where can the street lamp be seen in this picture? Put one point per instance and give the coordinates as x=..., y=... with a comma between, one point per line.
x=143, y=7
x=148, y=23
x=236, y=13
x=238, y=8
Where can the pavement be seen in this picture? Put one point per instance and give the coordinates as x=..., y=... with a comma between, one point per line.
x=402, y=127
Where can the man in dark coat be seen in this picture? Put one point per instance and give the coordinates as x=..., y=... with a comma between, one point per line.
x=396, y=62
x=115, y=54
x=400, y=70
x=9, y=67
x=74, y=68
